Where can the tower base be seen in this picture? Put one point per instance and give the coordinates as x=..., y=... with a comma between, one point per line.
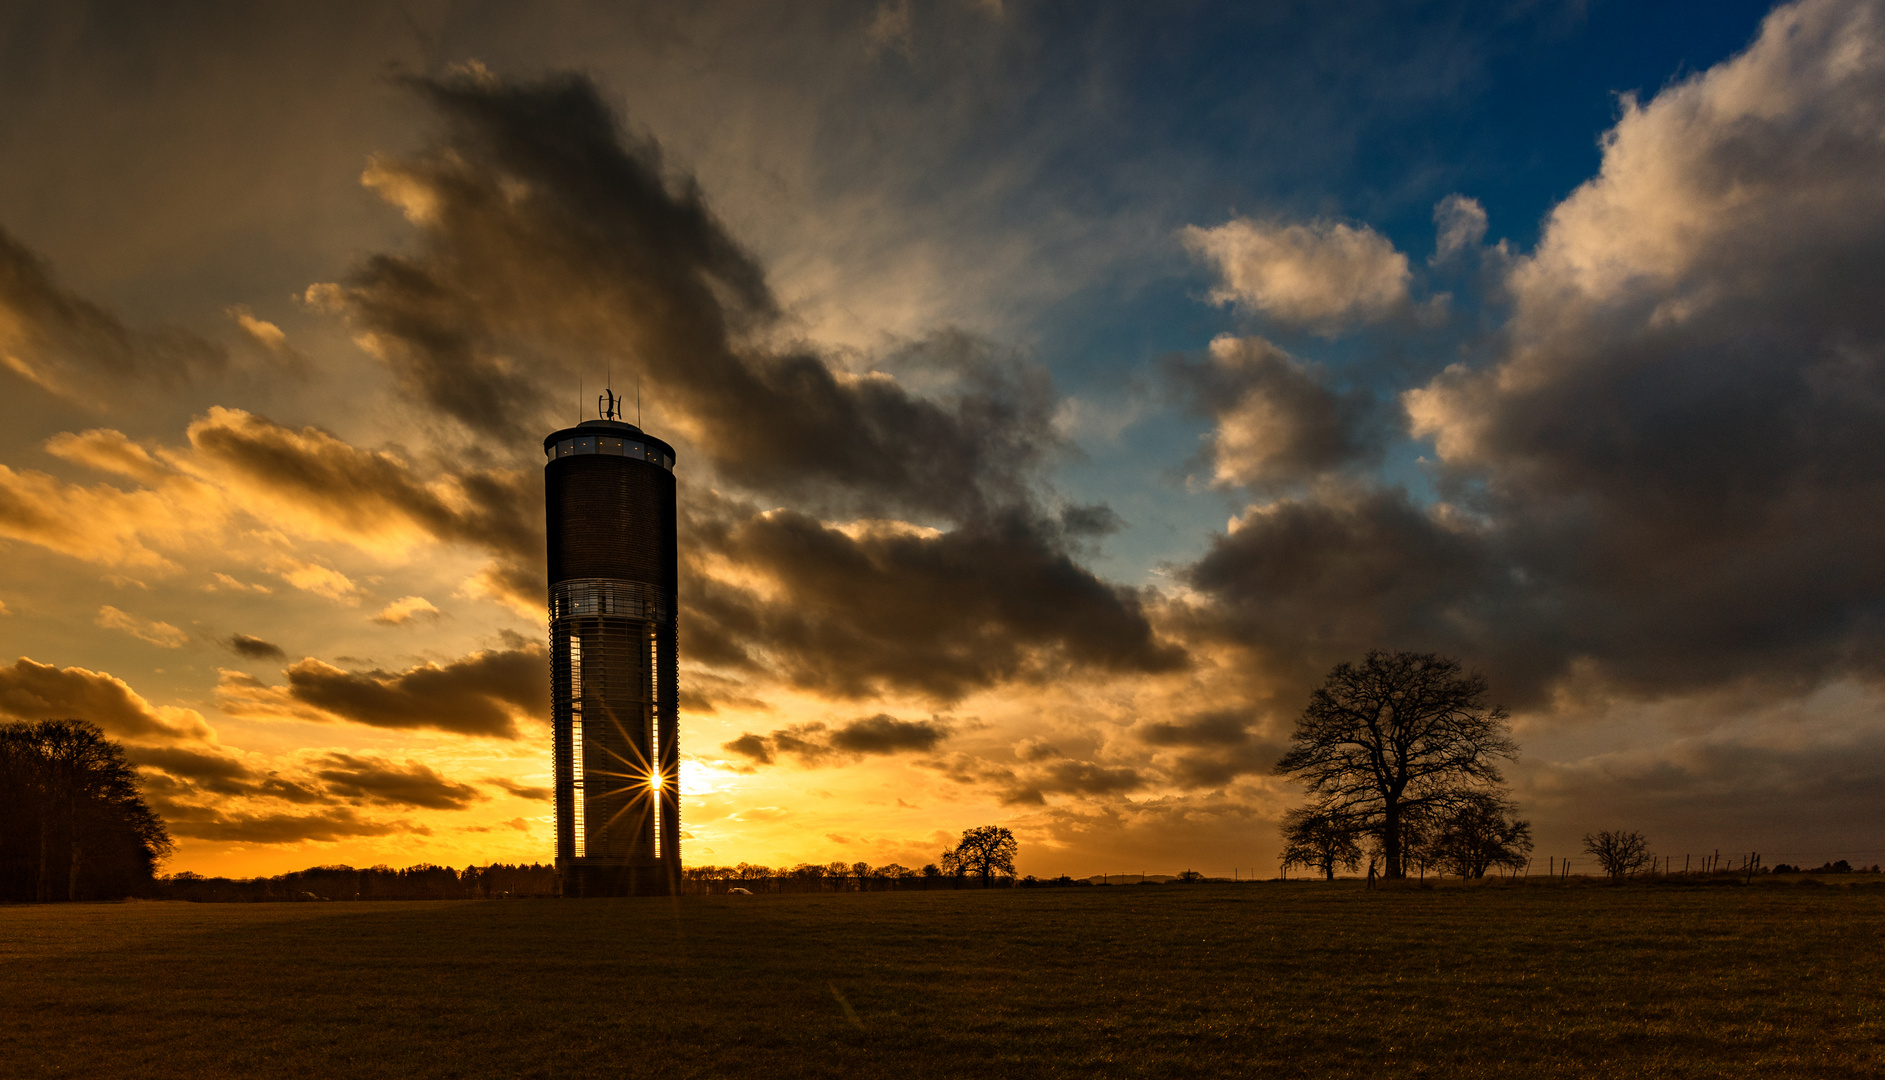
x=606, y=877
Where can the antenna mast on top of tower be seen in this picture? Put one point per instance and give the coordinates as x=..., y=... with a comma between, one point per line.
x=610, y=407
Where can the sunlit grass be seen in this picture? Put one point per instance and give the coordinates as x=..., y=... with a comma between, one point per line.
x=1213, y=980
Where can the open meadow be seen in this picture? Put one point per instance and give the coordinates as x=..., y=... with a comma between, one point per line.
x=1296, y=979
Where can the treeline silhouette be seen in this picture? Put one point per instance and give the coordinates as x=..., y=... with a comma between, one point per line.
x=498, y=881
x=502, y=881
x=72, y=823
x=836, y=877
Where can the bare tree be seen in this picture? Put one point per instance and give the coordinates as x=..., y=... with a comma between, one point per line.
x=1619, y=853
x=1479, y=835
x=1398, y=735
x=986, y=850
x=1317, y=841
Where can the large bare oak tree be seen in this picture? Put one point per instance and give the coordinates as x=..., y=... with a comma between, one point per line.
x=1400, y=736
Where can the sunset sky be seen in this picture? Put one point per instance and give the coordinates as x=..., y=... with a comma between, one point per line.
x=1072, y=384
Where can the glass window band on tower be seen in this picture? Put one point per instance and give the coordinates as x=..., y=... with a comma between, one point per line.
x=614, y=681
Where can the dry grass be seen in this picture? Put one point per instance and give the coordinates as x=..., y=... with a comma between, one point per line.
x=1213, y=980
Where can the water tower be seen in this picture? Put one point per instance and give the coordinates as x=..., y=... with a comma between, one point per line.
x=609, y=493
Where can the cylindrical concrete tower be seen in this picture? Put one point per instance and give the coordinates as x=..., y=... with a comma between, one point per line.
x=609, y=489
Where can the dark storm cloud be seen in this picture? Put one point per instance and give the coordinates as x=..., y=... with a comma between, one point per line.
x=1670, y=478
x=480, y=694
x=885, y=734
x=1211, y=749
x=552, y=238
x=757, y=747
x=1094, y=521
x=1065, y=777
x=254, y=647
x=66, y=343
x=817, y=743
x=703, y=692
x=1205, y=729
x=1809, y=801
x=857, y=612
x=1309, y=583
x=1278, y=422
x=387, y=783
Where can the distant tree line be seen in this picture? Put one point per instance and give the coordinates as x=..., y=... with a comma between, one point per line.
x=984, y=855
x=73, y=825
x=1840, y=867
x=498, y=881
x=831, y=871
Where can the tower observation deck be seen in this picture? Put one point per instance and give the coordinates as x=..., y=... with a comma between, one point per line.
x=609, y=490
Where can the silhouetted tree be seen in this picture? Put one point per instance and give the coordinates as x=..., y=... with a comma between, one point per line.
x=1420, y=829
x=1398, y=735
x=72, y=822
x=1619, y=853
x=1317, y=841
x=1480, y=834
x=986, y=850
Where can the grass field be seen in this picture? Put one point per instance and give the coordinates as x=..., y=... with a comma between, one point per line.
x=1292, y=979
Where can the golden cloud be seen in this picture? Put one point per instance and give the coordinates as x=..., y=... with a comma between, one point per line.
x=161, y=634
x=33, y=691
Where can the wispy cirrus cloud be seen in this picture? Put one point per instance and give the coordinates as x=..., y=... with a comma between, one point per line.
x=155, y=632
